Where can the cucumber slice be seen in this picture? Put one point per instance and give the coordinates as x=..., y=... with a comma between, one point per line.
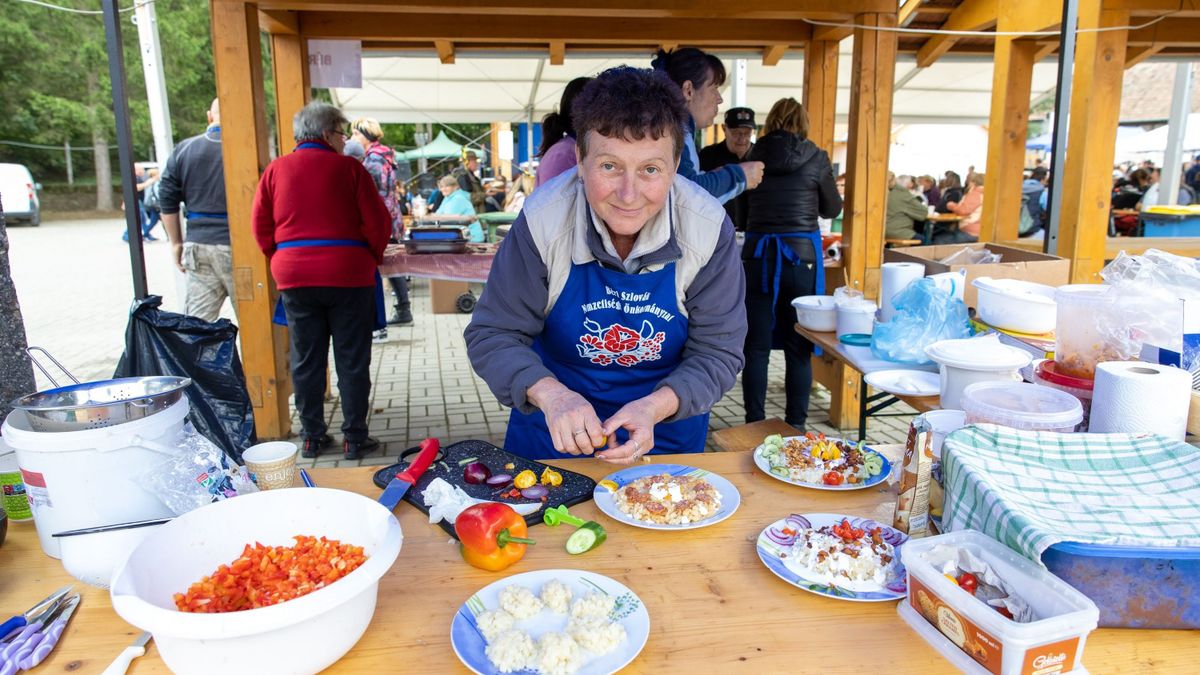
x=587, y=537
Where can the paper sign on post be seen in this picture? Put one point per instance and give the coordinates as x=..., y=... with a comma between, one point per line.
x=335, y=63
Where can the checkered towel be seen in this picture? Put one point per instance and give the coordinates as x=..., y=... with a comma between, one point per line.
x=1032, y=490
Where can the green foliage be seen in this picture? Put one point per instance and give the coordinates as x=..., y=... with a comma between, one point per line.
x=56, y=70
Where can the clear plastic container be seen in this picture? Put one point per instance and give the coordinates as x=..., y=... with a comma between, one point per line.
x=1021, y=406
x=1079, y=342
x=978, y=639
x=1047, y=374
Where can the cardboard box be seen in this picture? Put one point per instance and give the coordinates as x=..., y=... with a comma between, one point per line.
x=443, y=295
x=1014, y=264
x=1186, y=353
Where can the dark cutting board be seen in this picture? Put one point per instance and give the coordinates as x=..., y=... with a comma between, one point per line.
x=575, y=489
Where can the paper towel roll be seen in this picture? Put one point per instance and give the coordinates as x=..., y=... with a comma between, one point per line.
x=1137, y=397
x=954, y=283
x=896, y=277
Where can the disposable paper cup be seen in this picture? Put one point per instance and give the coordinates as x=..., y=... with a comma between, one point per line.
x=273, y=465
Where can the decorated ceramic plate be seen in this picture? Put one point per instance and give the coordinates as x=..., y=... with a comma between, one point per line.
x=905, y=382
x=689, y=494
x=768, y=459
x=775, y=550
x=628, y=610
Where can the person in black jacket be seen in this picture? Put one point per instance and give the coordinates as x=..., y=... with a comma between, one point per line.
x=783, y=255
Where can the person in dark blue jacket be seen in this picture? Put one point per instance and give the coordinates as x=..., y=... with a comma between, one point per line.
x=700, y=76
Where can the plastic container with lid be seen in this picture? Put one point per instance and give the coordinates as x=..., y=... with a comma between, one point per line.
x=816, y=312
x=856, y=316
x=1021, y=406
x=1079, y=341
x=980, y=359
x=1048, y=374
x=1012, y=304
x=978, y=639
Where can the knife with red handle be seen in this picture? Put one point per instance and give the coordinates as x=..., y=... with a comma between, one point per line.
x=404, y=480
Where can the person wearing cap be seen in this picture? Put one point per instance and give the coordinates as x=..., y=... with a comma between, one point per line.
x=739, y=127
x=468, y=179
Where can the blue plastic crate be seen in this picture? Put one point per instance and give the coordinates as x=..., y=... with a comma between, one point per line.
x=1134, y=587
x=1170, y=225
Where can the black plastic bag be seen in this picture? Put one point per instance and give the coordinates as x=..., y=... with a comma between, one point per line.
x=164, y=343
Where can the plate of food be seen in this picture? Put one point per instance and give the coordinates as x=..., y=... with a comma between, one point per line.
x=814, y=461
x=551, y=621
x=838, y=556
x=666, y=497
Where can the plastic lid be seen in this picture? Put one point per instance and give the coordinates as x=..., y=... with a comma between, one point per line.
x=979, y=353
x=1026, y=291
x=1021, y=406
x=1048, y=371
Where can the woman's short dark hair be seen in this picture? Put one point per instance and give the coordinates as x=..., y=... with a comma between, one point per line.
x=689, y=63
x=558, y=124
x=630, y=103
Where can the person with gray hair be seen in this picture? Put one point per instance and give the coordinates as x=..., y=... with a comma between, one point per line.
x=319, y=219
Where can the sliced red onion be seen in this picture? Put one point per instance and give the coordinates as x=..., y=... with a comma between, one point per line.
x=535, y=492
x=476, y=473
x=780, y=538
x=797, y=522
x=499, y=480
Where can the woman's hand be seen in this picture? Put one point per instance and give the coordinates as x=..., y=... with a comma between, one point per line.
x=638, y=418
x=572, y=422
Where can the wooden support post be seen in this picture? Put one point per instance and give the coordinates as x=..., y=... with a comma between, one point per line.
x=558, y=53
x=1136, y=55
x=237, y=57
x=773, y=53
x=1012, y=78
x=874, y=70
x=502, y=167
x=445, y=51
x=820, y=91
x=1095, y=108
x=289, y=63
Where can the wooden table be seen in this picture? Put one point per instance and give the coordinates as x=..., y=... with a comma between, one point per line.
x=944, y=218
x=714, y=607
x=751, y=435
x=869, y=405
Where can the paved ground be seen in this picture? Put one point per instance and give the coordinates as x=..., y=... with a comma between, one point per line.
x=74, y=282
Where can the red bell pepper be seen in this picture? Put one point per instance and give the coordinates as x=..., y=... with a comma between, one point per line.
x=492, y=535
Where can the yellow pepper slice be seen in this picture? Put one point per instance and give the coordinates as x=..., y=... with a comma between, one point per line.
x=551, y=477
x=525, y=479
x=608, y=485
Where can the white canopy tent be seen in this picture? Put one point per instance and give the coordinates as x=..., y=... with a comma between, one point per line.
x=1153, y=144
x=513, y=88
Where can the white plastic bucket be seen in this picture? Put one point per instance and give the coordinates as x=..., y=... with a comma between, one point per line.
x=78, y=479
x=856, y=317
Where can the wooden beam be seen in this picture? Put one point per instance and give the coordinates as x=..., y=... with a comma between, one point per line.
x=279, y=22
x=663, y=9
x=1172, y=31
x=1012, y=79
x=874, y=71
x=502, y=28
x=289, y=65
x=907, y=11
x=970, y=15
x=445, y=50
x=1087, y=172
x=773, y=53
x=832, y=33
x=1136, y=55
x=1044, y=49
x=558, y=53
x=820, y=92
x=237, y=58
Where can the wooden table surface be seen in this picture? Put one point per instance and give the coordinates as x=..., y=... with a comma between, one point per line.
x=714, y=607
x=829, y=342
x=944, y=218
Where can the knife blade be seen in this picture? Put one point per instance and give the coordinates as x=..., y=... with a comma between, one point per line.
x=121, y=664
x=404, y=480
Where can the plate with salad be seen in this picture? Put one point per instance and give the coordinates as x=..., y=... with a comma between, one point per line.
x=815, y=461
x=666, y=497
x=838, y=556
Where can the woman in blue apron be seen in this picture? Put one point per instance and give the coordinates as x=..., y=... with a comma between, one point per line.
x=612, y=319
x=783, y=256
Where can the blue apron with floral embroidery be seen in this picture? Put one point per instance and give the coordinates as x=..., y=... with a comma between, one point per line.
x=611, y=337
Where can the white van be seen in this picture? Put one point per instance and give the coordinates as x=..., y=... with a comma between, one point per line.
x=18, y=195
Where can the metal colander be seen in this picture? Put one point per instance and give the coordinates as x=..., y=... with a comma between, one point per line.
x=92, y=405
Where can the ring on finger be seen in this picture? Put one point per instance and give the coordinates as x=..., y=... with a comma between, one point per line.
x=637, y=447
x=579, y=431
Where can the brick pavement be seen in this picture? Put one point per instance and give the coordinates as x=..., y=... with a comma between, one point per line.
x=72, y=278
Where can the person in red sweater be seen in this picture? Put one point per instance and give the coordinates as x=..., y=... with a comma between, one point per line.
x=323, y=226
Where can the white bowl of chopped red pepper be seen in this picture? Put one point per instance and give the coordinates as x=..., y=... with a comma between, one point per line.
x=283, y=581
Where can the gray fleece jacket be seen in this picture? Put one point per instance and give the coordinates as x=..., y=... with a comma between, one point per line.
x=557, y=229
